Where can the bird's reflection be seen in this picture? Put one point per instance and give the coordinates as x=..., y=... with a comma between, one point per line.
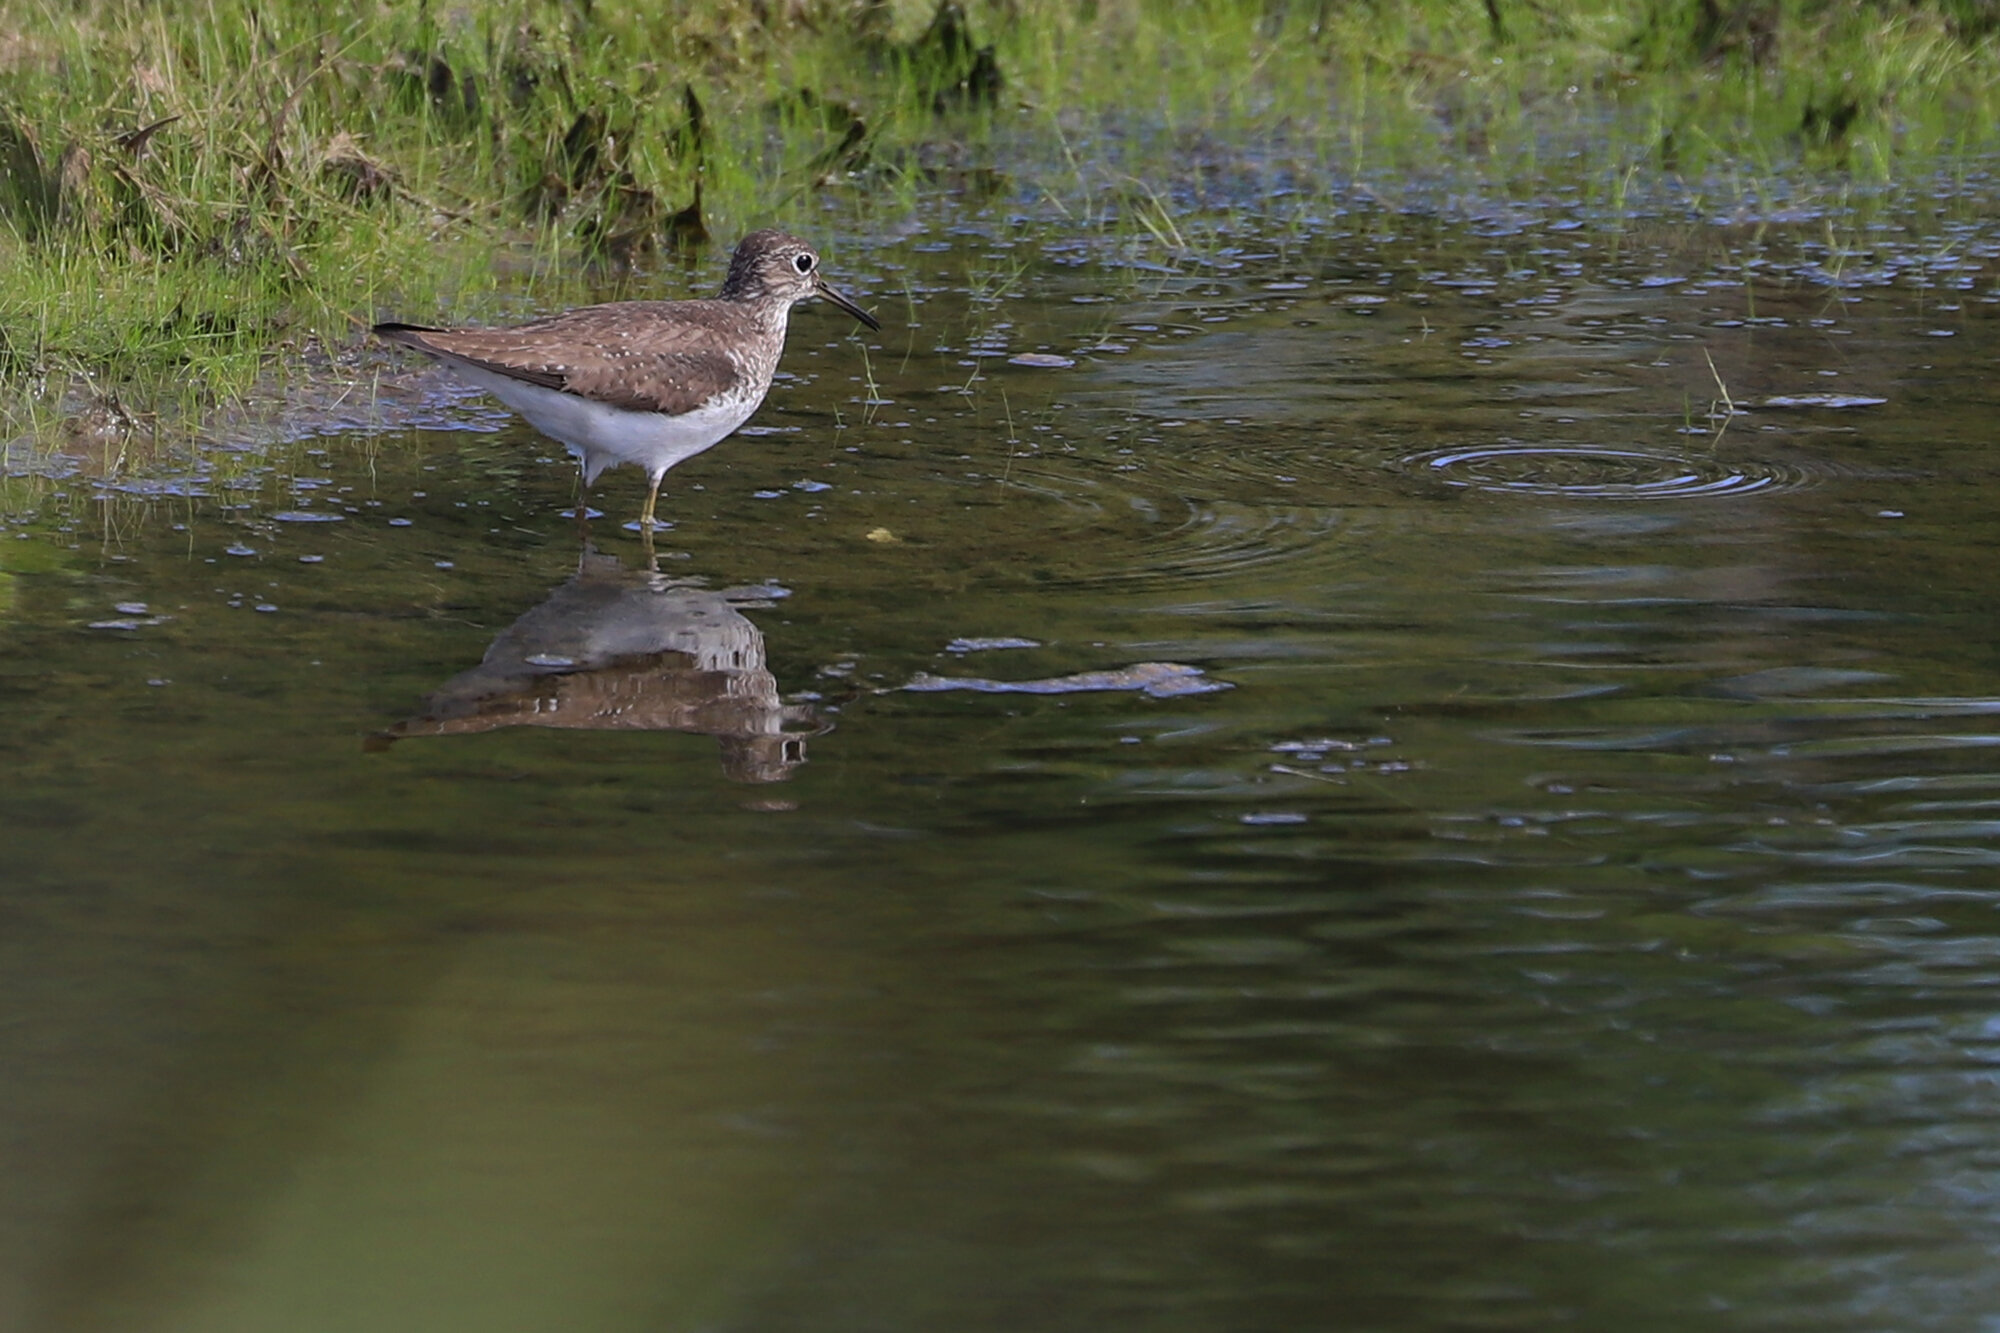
x=620, y=649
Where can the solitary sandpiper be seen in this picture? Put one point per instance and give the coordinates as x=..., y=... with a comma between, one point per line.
x=651, y=383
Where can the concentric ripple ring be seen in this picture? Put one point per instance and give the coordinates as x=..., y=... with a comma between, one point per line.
x=1601, y=474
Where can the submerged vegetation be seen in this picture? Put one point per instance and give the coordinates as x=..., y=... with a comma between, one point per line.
x=196, y=195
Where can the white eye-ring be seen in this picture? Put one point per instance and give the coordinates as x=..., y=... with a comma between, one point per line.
x=803, y=263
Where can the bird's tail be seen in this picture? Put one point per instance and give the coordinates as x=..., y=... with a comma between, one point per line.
x=410, y=335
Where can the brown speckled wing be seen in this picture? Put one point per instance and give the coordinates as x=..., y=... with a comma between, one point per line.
x=622, y=355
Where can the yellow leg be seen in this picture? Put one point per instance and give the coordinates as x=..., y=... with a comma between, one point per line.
x=646, y=520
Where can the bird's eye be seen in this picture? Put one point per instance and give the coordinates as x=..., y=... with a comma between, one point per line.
x=803, y=263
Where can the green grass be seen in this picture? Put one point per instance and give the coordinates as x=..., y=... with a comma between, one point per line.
x=312, y=165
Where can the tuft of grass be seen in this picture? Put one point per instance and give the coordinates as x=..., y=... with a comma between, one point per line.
x=191, y=193
x=199, y=196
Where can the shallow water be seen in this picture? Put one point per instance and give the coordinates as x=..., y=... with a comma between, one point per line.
x=1345, y=805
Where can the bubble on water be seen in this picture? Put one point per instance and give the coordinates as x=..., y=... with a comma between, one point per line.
x=1158, y=680
x=399, y=523
x=307, y=516
x=311, y=559
x=1822, y=400
x=1263, y=818
x=989, y=645
x=239, y=550
x=192, y=488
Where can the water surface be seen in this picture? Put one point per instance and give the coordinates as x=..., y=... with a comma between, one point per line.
x=1401, y=824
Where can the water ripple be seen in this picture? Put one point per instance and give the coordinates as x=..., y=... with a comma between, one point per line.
x=1145, y=530
x=1601, y=473
x=1221, y=538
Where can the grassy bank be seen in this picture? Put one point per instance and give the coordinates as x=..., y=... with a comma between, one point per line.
x=197, y=195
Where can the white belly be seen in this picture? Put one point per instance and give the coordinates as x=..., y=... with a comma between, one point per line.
x=601, y=436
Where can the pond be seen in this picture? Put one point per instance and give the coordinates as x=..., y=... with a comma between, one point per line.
x=1430, y=772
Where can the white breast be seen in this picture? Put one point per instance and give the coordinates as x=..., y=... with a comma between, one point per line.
x=602, y=436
